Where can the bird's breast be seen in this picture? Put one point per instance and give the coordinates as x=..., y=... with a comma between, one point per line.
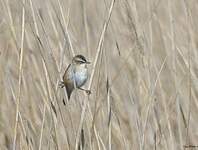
x=81, y=76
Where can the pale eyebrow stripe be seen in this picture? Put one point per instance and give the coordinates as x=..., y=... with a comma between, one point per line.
x=81, y=61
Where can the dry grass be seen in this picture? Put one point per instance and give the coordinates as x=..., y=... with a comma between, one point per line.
x=143, y=76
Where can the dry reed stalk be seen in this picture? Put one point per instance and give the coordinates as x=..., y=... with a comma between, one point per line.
x=66, y=25
x=42, y=127
x=150, y=105
x=99, y=49
x=20, y=77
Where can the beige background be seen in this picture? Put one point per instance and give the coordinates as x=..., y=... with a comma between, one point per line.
x=149, y=56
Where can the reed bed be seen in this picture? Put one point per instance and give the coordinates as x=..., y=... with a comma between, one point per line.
x=143, y=76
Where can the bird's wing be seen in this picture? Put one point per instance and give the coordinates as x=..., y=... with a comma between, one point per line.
x=65, y=74
x=68, y=82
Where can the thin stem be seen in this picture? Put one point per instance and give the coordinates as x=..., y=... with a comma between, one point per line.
x=20, y=77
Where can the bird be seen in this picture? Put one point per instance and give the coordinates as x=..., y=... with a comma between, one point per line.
x=75, y=75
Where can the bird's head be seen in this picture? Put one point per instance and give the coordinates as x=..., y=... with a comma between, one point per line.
x=80, y=59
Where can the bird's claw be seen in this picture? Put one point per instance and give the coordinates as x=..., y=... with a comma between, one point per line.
x=61, y=84
x=88, y=92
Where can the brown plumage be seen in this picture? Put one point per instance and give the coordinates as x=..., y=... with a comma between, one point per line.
x=75, y=75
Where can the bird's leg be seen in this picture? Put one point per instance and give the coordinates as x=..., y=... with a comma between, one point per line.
x=61, y=84
x=87, y=91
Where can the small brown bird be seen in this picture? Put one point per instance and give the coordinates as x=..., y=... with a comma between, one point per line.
x=76, y=75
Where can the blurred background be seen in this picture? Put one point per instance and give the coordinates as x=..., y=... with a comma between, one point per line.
x=144, y=90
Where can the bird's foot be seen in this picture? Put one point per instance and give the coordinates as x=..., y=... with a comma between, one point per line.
x=88, y=92
x=61, y=84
